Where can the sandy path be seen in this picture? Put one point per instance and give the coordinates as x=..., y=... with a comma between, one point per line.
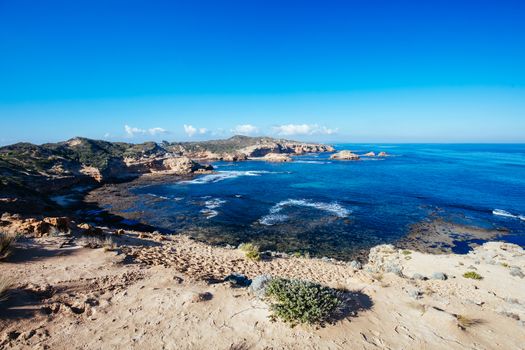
x=78, y=298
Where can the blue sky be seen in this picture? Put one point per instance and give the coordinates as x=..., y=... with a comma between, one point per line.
x=357, y=71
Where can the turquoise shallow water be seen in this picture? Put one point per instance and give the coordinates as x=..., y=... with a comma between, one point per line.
x=334, y=208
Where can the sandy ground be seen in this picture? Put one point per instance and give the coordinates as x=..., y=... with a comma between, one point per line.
x=143, y=296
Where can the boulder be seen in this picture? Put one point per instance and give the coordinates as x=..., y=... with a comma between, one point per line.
x=369, y=154
x=356, y=265
x=259, y=285
x=62, y=224
x=344, y=155
x=88, y=229
x=238, y=280
x=382, y=154
x=439, y=276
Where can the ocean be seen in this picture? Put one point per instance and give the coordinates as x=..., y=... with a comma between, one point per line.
x=332, y=208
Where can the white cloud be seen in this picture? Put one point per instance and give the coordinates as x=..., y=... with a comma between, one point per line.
x=132, y=131
x=303, y=129
x=245, y=129
x=203, y=131
x=157, y=131
x=190, y=130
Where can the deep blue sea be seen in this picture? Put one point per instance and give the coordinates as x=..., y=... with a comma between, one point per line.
x=333, y=208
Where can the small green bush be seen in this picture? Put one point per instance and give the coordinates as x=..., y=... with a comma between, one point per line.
x=251, y=251
x=406, y=252
x=296, y=301
x=473, y=275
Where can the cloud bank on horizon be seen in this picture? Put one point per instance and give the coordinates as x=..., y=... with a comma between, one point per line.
x=242, y=129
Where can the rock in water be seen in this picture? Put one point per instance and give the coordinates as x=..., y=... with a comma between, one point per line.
x=277, y=158
x=345, y=155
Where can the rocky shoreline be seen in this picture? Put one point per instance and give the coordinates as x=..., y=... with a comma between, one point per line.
x=128, y=288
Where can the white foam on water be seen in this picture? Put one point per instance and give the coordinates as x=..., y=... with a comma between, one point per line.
x=223, y=175
x=275, y=217
x=272, y=219
x=214, y=203
x=210, y=206
x=209, y=213
x=158, y=196
x=504, y=213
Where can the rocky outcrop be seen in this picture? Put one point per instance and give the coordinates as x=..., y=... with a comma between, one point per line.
x=277, y=158
x=286, y=147
x=234, y=157
x=369, y=154
x=33, y=226
x=345, y=155
x=382, y=154
x=184, y=166
x=31, y=173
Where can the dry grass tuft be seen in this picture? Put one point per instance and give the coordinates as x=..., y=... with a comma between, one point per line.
x=465, y=322
x=5, y=284
x=251, y=251
x=108, y=244
x=6, y=240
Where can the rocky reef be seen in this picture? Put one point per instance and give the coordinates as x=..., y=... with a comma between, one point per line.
x=277, y=158
x=345, y=155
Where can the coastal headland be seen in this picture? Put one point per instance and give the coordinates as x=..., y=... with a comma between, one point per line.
x=71, y=271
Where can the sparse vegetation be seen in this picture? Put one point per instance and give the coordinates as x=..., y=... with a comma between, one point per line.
x=406, y=252
x=472, y=275
x=108, y=244
x=251, y=251
x=90, y=242
x=296, y=301
x=5, y=284
x=465, y=322
x=6, y=240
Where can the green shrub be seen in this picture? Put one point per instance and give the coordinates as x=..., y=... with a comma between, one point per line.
x=6, y=240
x=473, y=275
x=251, y=251
x=406, y=252
x=296, y=301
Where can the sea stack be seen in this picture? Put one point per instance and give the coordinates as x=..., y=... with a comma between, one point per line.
x=345, y=155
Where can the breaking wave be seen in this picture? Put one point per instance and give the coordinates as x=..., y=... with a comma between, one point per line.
x=501, y=212
x=224, y=175
x=275, y=215
x=210, y=206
